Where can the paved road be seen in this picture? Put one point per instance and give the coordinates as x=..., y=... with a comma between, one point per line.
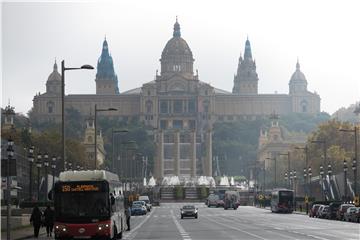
x=245, y=223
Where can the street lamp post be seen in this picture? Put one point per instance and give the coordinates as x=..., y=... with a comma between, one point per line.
x=294, y=177
x=95, y=123
x=31, y=161
x=53, y=168
x=345, y=179
x=63, y=69
x=354, y=168
x=274, y=159
x=288, y=159
x=46, y=165
x=322, y=181
x=329, y=173
x=10, y=153
x=286, y=178
x=113, y=132
x=38, y=165
x=310, y=175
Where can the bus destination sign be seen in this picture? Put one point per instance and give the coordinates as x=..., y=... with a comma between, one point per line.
x=80, y=188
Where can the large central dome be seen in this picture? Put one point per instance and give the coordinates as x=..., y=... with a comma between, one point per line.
x=176, y=57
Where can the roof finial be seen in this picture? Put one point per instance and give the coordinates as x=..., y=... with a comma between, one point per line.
x=176, y=29
x=55, y=66
x=297, y=64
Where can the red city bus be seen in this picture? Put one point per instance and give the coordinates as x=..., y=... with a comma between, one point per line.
x=89, y=205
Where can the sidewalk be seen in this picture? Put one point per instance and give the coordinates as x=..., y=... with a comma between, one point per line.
x=24, y=233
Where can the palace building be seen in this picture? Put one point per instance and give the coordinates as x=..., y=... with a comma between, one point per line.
x=178, y=105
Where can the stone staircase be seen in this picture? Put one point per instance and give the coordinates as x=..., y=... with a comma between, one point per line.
x=167, y=194
x=191, y=193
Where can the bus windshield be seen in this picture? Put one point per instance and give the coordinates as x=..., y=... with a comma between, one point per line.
x=82, y=202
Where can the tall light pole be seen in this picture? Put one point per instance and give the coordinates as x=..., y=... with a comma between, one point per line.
x=288, y=160
x=63, y=69
x=274, y=159
x=38, y=165
x=322, y=182
x=113, y=132
x=46, y=165
x=53, y=168
x=10, y=153
x=355, y=160
x=31, y=161
x=95, y=121
x=345, y=180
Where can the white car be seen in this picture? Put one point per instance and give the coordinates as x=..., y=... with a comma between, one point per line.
x=147, y=202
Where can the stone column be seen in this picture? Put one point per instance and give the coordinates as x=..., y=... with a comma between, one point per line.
x=159, y=161
x=177, y=153
x=208, y=155
x=193, y=153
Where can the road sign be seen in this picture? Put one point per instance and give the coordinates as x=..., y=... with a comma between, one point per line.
x=4, y=167
x=261, y=197
x=356, y=200
x=306, y=199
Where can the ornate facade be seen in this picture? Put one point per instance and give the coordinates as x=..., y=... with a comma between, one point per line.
x=180, y=107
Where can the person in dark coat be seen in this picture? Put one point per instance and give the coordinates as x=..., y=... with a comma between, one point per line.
x=128, y=216
x=49, y=220
x=36, y=220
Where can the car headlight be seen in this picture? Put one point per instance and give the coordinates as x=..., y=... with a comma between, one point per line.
x=103, y=226
x=182, y=211
x=61, y=228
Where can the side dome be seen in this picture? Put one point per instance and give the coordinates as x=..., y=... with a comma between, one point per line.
x=297, y=76
x=177, y=58
x=55, y=75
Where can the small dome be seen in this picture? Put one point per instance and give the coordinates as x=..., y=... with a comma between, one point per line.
x=297, y=76
x=55, y=75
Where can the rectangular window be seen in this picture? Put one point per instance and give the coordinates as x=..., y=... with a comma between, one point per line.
x=192, y=124
x=178, y=106
x=163, y=106
x=178, y=124
x=163, y=124
x=191, y=106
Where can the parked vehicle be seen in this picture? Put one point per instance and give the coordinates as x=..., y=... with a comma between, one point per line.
x=231, y=200
x=220, y=203
x=356, y=216
x=323, y=211
x=350, y=214
x=212, y=200
x=313, y=210
x=342, y=210
x=138, y=209
x=189, y=211
x=142, y=203
x=333, y=208
x=147, y=202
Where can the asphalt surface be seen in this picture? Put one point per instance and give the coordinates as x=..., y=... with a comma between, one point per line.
x=246, y=222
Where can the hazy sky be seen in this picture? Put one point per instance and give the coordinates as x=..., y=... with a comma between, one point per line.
x=323, y=34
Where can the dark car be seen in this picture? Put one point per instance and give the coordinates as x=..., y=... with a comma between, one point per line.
x=189, y=211
x=313, y=210
x=333, y=208
x=212, y=200
x=342, y=210
x=138, y=209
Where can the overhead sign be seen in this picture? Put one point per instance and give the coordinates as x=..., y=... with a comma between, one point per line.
x=4, y=163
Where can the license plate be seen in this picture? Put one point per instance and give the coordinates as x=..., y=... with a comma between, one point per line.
x=82, y=237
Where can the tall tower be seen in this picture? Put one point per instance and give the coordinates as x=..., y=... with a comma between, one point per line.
x=246, y=78
x=106, y=79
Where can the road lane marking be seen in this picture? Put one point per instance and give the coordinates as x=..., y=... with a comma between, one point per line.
x=133, y=232
x=181, y=230
x=240, y=230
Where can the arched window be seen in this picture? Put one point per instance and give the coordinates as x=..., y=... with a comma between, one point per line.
x=50, y=106
x=149, y=106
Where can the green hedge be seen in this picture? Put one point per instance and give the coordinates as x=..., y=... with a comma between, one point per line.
x=179, y=192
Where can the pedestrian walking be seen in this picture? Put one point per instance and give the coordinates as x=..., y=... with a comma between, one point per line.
x=128, y=216
x=49, y=220
x=35, y=219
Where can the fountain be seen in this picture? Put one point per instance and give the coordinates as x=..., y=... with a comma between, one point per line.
x=152, y=182
x=224, y=181
x=144, y=182
x=232, y=182
x=171, y=181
